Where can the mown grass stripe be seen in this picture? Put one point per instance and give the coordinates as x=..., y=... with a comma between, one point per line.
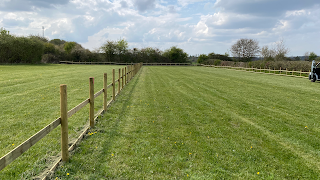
x=204, y=123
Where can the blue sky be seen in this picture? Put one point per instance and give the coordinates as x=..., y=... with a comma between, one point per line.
x=197, y=26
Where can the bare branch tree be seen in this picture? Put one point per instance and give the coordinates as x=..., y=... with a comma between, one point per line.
x=306, y=56
x=245, y=49
x=268, y=54
x=281, y=50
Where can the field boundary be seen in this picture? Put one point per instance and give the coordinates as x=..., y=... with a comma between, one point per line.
x=116, y=63
x=124, y=77
x=280, y=72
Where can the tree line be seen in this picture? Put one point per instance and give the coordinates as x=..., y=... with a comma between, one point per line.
x=245, y=50
x=36, y=49
x=117, y=51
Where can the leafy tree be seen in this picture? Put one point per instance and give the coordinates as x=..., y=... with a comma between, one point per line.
x=219, y=56
x=57, y=42
x=297, y=58
x=149, y=55
x=40, y=38
x=312, y=56
x=19, y=49
x=211, y=55
x=68, y=46
x=245, y=49
x=109, y=49
x=49, y=48
x=176, y=55
x=202, y=58
x=217, y=62
x=3, y=32
x=122, y=48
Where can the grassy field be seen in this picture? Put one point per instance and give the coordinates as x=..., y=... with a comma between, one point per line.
x=30, y=99
x=204, y=123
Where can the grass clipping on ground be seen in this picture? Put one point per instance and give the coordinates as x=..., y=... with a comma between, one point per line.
x=203, y=123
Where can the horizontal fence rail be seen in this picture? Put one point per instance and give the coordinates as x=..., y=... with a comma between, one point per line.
x=130, y=72
x=115, y=63
x=281, y=72
x=16, y=152
x=167, y=64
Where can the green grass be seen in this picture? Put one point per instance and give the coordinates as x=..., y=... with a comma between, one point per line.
x=204, y=123
x=30, y=100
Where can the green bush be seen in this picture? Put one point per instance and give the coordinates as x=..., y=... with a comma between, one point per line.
x=20, y=49
x=176, y=55
x=202, y=58
x=49, y=48
x=290, y=65
x=312, y=56
x=219, y=56
x=217, y=62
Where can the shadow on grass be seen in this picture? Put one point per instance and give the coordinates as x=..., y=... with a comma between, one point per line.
x=115, y=128
x=86, y=158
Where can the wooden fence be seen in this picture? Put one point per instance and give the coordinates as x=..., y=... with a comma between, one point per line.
x=97, y=63
x=115, y=63
x=125, y=75
x=283, y=72
x=167, y=64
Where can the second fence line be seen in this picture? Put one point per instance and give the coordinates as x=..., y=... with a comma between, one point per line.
x=284, y=72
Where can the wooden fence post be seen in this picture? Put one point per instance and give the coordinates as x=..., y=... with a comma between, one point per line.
x=130, y=73
x=132, y=69
x=300, y=72
x=91, y=96
x=280, y=71
x=64, y=123
x=125, y=75
x=113, y=85
x=128, y=79
x=122, y=79
x=105, y=95
x=130, y=76
x=119, y=85
x=286, y=71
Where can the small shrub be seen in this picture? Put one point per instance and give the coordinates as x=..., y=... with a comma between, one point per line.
x=217, y=62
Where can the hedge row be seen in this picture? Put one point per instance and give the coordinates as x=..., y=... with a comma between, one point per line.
x=290, y=65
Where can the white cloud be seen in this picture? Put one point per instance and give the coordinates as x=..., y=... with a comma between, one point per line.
x=97, y=40
x=187, y=2
x=282, y=26
x=191, y=24
x=144, y=5
x=297, y=13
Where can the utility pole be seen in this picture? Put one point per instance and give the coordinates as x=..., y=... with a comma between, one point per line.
x=42, y=31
